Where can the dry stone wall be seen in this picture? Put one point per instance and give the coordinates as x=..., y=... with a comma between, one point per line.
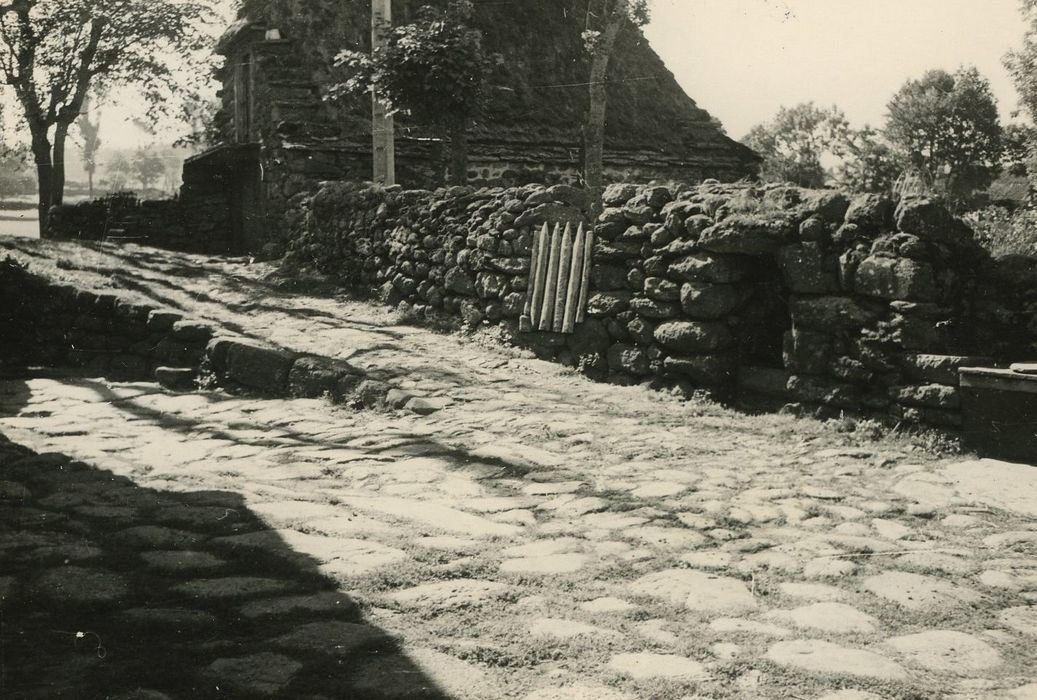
x=51, y=325
x=813, y=298
x=55, y=326
x=201, y=225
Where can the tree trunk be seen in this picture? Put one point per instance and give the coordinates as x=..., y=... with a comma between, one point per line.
x=594, y=130
x=57, y=183
x=44, y=175
x=459, y=155
x=90, y=182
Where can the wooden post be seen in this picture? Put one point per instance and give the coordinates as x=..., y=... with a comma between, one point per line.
x=526, y=323
x=383, y=139
x=572, y=295
x=551, y=288
x=564, y=263
x=538, y=282
x=588, y=258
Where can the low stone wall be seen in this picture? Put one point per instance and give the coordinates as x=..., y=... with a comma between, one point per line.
x=48, y=325
x=829, y=303
x=45, y=325
x=85, y=221
x=201, y=225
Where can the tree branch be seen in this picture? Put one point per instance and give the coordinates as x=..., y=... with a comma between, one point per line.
x=82, y=80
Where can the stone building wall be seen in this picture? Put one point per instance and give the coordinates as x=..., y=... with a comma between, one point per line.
x=273, y=109
x=538, y=67
x=497, y=165
x=810, y=297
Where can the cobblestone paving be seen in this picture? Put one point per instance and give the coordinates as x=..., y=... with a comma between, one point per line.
x=541, y=538
x=289, y=548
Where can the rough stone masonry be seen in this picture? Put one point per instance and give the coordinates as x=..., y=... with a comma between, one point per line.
x=835, y=304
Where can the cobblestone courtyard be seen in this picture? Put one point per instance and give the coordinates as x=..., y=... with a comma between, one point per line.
x=540, y=537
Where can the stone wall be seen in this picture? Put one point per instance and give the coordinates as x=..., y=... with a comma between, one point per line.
x=26, y=298
x=1004, y=306
x=807, y=297
x=200, y=225
x=55, y=326
x=273, y=102
x=50, y=325
x=85, y=221
x=503, y=165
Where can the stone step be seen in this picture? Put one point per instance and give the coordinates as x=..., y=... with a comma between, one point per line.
x=763, y=380
x=176, y=378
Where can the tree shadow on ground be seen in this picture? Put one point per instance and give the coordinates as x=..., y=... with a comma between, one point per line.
x=400, y=442
x=245, y=297
x=137, y=269
x=113, y=590
x=292, y=311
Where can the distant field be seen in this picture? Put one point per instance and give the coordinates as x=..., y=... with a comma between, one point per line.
x=18, y=215
x=19, y=223
x=17, y=202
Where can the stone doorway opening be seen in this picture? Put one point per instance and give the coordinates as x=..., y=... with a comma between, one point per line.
x=763, y=324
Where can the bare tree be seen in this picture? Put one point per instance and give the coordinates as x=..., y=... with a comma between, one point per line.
x=89, y=132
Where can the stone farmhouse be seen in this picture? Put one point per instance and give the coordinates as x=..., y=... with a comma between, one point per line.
x=279, y=137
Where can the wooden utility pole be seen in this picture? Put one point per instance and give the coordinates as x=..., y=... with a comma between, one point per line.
x=383, y=147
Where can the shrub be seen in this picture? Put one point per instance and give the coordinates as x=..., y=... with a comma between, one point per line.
x=1005, y=232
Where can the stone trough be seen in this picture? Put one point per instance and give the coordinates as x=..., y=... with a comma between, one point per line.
x=999, y=408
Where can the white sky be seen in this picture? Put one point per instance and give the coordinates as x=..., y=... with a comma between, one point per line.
x=743, y=59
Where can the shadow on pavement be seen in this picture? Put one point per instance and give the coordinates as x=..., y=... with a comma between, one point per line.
x=111, y=590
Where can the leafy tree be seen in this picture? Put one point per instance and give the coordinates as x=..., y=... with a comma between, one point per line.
x=801, y=141
x=15, y=176
x=794, y=143
x=125, y=169
x=118, y=172
x=172, y=177
x=947, y=127
x=1018, y=141
x=14, y=171
x=605, y=20
x=53, y=51
x=1021, y=141
x=1022, y=62
x=867, y=163
x=7, y=147
x=148, y=166
x=432, y=68
x=205, y=119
